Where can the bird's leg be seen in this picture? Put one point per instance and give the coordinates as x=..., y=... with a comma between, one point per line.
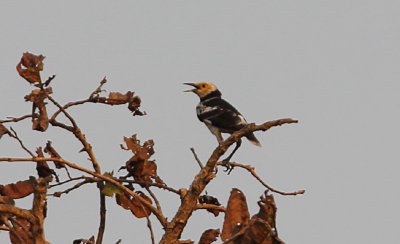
x=228, y=167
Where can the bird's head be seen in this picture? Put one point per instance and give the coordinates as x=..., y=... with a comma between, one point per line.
x=202, y=89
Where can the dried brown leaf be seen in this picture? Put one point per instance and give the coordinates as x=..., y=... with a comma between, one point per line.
x=49, y=149
x=37, y=97
x=209, y=236
x=257, y=232
x=236, y=216
x=30, y=66
x=267, y=210
x=17, y=190
x=116, y=98
x=134, y=205
x=3, y=130
x=134, y=105
x=139, y=166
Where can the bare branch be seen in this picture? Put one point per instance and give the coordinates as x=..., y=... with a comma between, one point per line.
x=76, y=186
x=81, y=137
x=205, y=175
x=251, y=170
x=73, y=179
x=158, y=185
x=15, y=136
x=197, y=158
x=22, y=213
x=18, y=119
x=210, y=207
x=149, y=206
x=154, y=198
x=102, y=225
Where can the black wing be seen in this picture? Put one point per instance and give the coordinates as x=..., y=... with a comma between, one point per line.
x=221, y=114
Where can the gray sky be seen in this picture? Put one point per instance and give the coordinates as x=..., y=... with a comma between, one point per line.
x=333, y=65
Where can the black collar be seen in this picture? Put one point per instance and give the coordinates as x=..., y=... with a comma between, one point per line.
x=212, y=94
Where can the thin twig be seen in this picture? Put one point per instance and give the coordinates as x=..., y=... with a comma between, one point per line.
x=81, y=137
x=148, y=224
x=102, y=225
x=15, y=136
x=76, y=186
x=90, y=99
x=154, y=198
x=197, y=158
x=251, y=170
x=98, y=89
x=73, y=179
x=161, y=186
x=210, y=206
x=64, y=112
x=18, y=119
x=163, y=221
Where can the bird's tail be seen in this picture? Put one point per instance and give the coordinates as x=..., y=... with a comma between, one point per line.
x=252, y=138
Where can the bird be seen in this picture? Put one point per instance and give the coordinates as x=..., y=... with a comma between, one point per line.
x=218, y=114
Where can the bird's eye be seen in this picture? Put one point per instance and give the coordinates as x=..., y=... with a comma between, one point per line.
x=203, y=86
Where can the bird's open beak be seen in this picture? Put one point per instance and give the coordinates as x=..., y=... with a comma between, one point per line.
x=191, y=84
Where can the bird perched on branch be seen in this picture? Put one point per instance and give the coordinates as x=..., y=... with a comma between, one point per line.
x=219, y=115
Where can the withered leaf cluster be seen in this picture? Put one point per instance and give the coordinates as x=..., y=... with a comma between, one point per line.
x=19, y=227
x=117, y=98
x=139, y=166
x=239, y=228
x=30, y=66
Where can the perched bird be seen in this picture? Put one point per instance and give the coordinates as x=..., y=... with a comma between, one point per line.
x=219, y=115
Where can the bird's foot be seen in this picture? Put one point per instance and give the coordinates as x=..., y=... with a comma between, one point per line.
x=228, y=167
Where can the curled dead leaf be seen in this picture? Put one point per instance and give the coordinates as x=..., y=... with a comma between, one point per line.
x=30, y=66
x=139, y=166
x=49, y=149
x=134, y=105
x=237, y=214
x=134, y=205
x=116, y=98
x=209, y=236
x=17, y=190
x=37, y=97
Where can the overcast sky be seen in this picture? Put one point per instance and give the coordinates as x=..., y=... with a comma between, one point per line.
x=333, y=65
